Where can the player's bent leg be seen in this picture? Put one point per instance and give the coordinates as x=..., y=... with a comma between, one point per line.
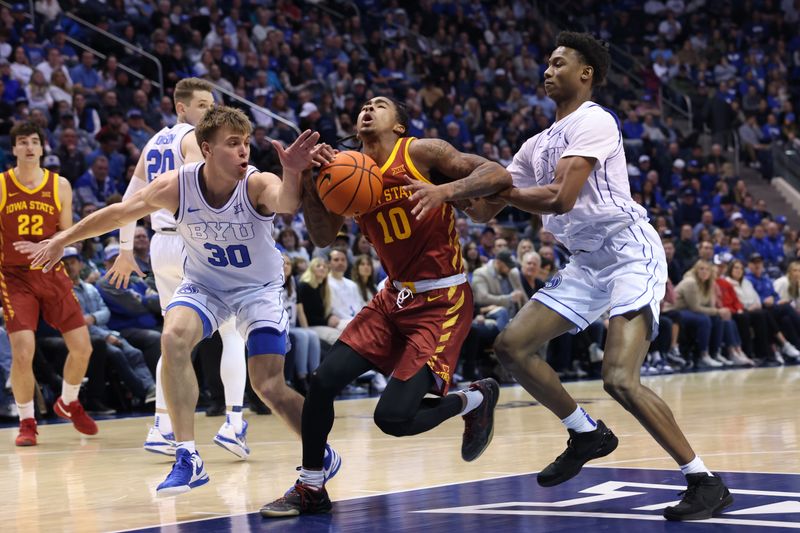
x=183, y=329
x=516, y=347
x=626, y=347
x=67, y=406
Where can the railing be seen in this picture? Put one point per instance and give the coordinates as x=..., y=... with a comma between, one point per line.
x=787, y=164
x=252, y=105
x=129, y=46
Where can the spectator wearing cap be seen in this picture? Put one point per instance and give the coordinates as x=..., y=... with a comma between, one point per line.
x=109, y=145
x=85, y=76
x=784, y=315
x=135, y=310
x=31, y=45
x=497, y=287
x=52, y=163
x=139, y=131
x=59, y=42
x=688, y=210
x=127, y=360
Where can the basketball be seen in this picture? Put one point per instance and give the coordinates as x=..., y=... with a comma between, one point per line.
x=351, y=184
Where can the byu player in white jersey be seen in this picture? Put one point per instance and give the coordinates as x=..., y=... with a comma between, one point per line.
x=224, y=212
x=574, y=174
x=168, y=150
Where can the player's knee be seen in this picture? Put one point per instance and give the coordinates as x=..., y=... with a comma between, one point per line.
x=320, y=388
x=22, y=358
x=619, y=383
x=391, y=425
x=507, y=347
x=174, y=344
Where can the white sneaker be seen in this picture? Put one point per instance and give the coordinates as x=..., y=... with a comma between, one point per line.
x=777, y=355
x=789, y=350
x=157, y=442
x=378, y=382
x=236, y=443
x=707, y=362
x=595, y=353
x=674, y=357
x=721, y=359
x=740, y=358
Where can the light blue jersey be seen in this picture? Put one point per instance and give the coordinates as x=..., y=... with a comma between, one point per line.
x=162, y=153
x=230, y=248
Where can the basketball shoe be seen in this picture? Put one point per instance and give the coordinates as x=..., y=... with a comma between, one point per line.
x=479, y=423
x=331, y=464
x=236, y=443
x=704, y=496
x=188, y=472
x=74, y=413
x=300, y=499
x=158, y=442
x=27, y=432
x=581, y=448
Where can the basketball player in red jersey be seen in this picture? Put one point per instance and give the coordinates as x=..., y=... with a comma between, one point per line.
x=34, y=204
x=414, y=327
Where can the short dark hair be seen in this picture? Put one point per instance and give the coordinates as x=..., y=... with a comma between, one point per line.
x=593, y=52
x=23, y=129
x=402, y=113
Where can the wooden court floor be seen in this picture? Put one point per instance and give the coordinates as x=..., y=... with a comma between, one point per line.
x=737, y=420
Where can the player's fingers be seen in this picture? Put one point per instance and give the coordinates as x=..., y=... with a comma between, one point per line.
x=278, y=148
x=309, y=141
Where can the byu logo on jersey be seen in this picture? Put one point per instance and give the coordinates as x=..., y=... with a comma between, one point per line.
x=188, y=289
x=554, y=282
x=221, y=231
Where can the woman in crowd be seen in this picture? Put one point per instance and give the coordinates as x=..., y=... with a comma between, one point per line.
x=290, y=243
x=696, y=301
x=314, y=294
x=788, y=285
x=364, y=277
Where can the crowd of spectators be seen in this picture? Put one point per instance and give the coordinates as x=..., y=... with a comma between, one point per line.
x=469, y=72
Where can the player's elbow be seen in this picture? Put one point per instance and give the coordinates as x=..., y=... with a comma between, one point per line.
x=561, y=204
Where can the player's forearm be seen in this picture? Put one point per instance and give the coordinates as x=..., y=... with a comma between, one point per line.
x=488, y=178
x=288, y=198
x=98, y=223
x=482, y=210
x=322, y=225
x=127, y=231
x=538, y=200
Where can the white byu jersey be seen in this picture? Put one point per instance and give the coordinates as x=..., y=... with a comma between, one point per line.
x=162, y=153
x=604, y=205
x=229, y=248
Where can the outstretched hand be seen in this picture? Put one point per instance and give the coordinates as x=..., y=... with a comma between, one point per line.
x=119, y=274
x=427, y=196
x=301, y=154
x=45, y=254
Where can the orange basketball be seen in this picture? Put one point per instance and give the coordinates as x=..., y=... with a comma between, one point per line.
x=351, y=184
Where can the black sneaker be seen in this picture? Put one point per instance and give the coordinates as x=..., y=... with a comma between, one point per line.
x=704, y=496
x=479, y=423
x=301, y=499
x=581, y=448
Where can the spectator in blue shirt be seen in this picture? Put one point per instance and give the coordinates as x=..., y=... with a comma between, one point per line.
x=109, y=145
x=96, y=185
x=784, y=314
x=127, y=360
x=775, y=242
x=632, y=127
x=84, y=76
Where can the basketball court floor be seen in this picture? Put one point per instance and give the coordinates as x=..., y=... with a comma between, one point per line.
x=744, y=423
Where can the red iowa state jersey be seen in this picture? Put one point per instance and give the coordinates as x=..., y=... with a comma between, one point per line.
x=410, y=249
x=26, y=214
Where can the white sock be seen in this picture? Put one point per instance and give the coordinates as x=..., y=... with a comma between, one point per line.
x=163, y=423
x=25, y=410
x=235, y=418
x=696, y=466
x=313, y=478
x=579, y=421
x=69, y=393
x=187, y=445
x=232, y=365
x=161, y=402
x=474, y=399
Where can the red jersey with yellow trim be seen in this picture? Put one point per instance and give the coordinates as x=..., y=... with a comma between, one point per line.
x=410, y=249
x=26, y=214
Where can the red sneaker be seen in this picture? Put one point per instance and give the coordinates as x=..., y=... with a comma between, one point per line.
x=74, y=413
x=27, y=432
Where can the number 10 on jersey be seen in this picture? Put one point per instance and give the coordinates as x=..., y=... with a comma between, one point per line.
x=398, y=226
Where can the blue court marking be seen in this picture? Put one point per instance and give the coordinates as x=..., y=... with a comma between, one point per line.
x=608, y=499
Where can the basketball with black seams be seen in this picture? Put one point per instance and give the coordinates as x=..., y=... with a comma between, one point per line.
x=351, y=184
